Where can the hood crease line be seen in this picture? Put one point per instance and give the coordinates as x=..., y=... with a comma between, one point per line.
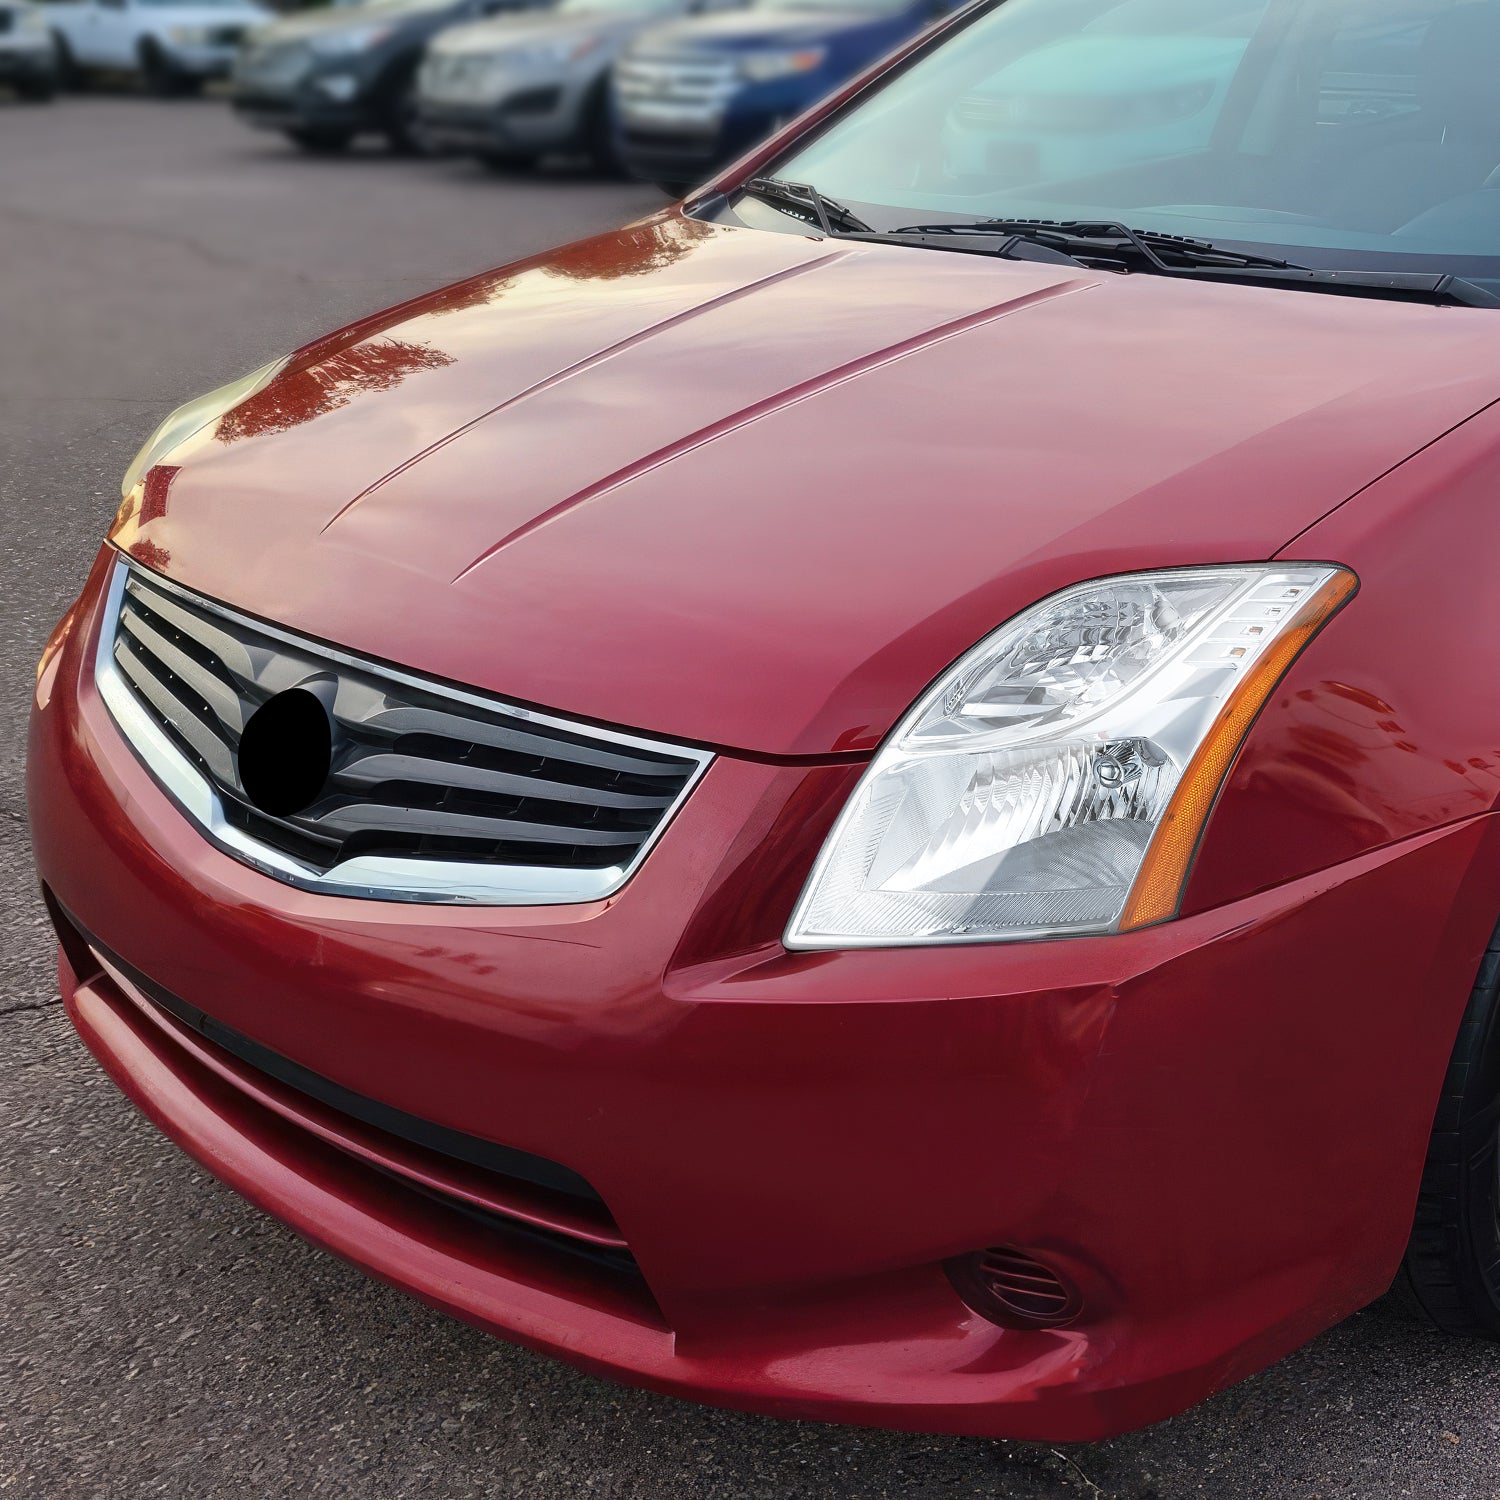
x=803, y=391
x=586, y=363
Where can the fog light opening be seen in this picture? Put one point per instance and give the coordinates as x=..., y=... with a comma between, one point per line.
x=1014, y=1289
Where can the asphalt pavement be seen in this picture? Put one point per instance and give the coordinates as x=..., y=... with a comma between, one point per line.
x=157, y=1335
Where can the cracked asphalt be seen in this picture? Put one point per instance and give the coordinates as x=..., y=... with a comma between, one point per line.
x=160, y=1337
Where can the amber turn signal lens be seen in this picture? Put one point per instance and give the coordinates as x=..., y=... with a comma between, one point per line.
x=1157, y=891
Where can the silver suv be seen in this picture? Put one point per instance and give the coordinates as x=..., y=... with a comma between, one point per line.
x=516, y=87
x=28, y=56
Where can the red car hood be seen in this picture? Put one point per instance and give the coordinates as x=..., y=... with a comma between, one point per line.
x=756, y=489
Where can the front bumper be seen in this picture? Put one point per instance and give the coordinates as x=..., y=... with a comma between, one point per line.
x=1214, y=1127
x=27, y=64
x=202, y=62
x=659, y=153
x=304, y=106
x=541, y=118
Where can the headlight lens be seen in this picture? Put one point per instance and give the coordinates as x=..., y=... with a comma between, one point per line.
x=188, y=36
x=33, y=19
x=1056, y=778
x=188, y=419
x=762, y=67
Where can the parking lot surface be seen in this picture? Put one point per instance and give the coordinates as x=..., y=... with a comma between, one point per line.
x=157, y=1335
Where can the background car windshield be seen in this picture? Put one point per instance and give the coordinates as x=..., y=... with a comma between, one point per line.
x=826, y=6
x=615, y=7
x=352, y=13
x=1358, y=133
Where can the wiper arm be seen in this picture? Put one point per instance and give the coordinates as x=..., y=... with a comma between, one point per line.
x=803, y=201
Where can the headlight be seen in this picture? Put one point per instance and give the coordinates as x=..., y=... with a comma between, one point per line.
x=188, y=419
x=32, y=19
x=188, y=36
x=343, y=43
x=762, y=67
x=1055, y=780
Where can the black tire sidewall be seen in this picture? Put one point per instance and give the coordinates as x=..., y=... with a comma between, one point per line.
x=1452, y=1268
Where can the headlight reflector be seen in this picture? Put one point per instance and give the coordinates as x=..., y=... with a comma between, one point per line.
x=1055, y=779
x=762, y=67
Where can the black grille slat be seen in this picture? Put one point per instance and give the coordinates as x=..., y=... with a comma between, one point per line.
x=373, y=770
x=402, y=719
x=165, y=698
x=361, y=817
x=230, y=652
x=417, y=774
x=224, y=698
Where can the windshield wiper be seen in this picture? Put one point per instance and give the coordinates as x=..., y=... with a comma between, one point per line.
x=1111, y=244
x=803, y=201
x=1104, y=245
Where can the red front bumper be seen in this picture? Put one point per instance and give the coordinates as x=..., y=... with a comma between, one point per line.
x=1215, y=1127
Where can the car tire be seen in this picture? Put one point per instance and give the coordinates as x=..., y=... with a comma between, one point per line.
x=403, y=134
x=319, y=140
x=37, y=90
x=506, y=161
x=162, y=80
x=69, y=75
x=1451, y=1274
x=597, y=133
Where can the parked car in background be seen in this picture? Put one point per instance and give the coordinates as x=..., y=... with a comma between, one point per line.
x=690, y=97
x=28, y=54
x=514, y=87
x=325, y=76
x=174, y=45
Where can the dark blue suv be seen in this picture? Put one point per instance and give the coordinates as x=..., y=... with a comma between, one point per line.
x=690, y=96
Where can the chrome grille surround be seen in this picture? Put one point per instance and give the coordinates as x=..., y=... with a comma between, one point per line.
x=180, y=704
x=679, y=92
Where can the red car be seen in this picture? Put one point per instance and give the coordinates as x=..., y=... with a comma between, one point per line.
x=872, y=798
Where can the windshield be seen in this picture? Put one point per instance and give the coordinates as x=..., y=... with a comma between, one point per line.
x=1359, y=134
x=352, y=13
x=826, y=6
x=615, y=7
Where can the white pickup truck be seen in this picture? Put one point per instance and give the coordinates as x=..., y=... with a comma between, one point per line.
x=173, y=44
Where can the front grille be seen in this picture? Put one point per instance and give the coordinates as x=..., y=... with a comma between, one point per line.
x=461, y=68
x=432, y=793
x=533, y=102
x=674, y=91
x=226, y=36
x=272, y=65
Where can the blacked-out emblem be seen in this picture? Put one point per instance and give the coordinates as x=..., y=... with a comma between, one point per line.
x=285, y=752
